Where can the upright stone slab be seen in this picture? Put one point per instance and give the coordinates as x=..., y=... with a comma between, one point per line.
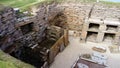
x=102, y=27
x=83, y=36
x=100, y=37
x=85, y=26
x=116, y=39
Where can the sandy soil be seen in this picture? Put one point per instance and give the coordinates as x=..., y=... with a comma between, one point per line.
x=68, y=57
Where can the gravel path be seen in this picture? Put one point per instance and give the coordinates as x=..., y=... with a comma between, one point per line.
x=68, y=57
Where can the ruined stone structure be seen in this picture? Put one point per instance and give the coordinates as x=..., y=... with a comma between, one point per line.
x=40, y=38
x=97, y=30
x=32, y=39
x=101, y=25
x=93, y=21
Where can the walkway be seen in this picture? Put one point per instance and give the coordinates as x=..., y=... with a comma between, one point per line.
x=68, y=57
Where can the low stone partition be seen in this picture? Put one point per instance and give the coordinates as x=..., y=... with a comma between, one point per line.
x=59, y=46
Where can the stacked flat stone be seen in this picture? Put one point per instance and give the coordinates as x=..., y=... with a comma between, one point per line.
x=7, y=29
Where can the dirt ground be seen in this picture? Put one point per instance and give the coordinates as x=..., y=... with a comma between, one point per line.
x=68, y=57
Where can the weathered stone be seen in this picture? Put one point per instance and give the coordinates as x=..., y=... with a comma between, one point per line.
x=100, y=37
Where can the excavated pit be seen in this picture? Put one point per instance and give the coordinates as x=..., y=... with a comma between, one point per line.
x=35, y=54
x=32, y=39
x=31, y=49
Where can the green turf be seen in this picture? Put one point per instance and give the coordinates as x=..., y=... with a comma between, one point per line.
x=7, y=61
x=4, y=64
x=25, y=4
x=17, y=3
x=22, y=4
x=111, y=4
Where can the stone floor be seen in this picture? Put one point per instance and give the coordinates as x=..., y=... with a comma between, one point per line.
x=68, y=57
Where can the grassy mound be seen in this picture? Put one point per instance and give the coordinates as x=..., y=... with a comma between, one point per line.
x=7, y=61
x=4, y=64
x=25, y=4
x=22, y=4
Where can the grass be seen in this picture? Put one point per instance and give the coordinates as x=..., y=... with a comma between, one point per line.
x=111, y=4
x=22, y=4
x=26, y=4
x=7, y=61
x=4, y=64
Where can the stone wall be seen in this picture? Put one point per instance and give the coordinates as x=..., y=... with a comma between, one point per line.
x=8, y=33
x=103, y=11
x=72, y=15
x=76, y=13
x=11, y=29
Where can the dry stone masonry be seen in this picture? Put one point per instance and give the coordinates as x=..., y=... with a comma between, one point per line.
x=32, y=39
x=38, y=39
x=76, y=13
x=102, y=25
x=8, y=33
x=98, y=30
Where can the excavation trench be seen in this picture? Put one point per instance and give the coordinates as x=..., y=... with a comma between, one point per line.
x=31, y=49
x=34, y=52
x=36, y=56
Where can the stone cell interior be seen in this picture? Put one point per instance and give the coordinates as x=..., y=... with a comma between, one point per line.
x=91, y=36
x=112, y=28
x=27, y=28
x=93, y=26
x=109, y=37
